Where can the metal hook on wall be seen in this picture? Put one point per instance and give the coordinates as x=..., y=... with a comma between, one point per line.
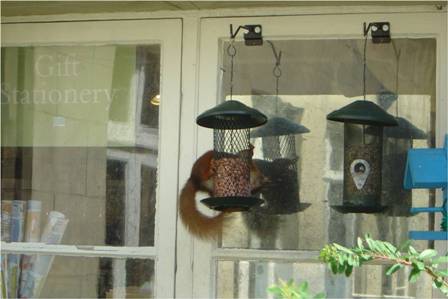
x=380, y=32
x=253, y=36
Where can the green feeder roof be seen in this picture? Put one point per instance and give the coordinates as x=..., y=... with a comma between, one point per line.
x=279, y=126
x=363, y=112
x=231, y=115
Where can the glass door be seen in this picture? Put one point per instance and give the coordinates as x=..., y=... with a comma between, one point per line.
x=89, y=153
x=321, y=71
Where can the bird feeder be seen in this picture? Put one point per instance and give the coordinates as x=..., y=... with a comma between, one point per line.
x=279, y=165
x=363, y=149
x=231, y=167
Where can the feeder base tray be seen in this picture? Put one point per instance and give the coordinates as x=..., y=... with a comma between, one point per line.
x=231, y=203
x=345, y=209
x=283, y=210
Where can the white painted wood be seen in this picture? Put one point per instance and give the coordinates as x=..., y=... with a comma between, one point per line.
x=214, y=30
x=441, y=115
x=240, y=12
x=168, y=34
x=119, y=278
x=265, y=255
x=81, y=251
x=188, y=151
x=168, y=154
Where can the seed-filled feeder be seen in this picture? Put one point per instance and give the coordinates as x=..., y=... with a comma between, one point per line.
x=231, y=122
x=363, y=149
x=279, y=165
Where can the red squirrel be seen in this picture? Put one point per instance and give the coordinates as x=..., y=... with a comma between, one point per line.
x=201, y=179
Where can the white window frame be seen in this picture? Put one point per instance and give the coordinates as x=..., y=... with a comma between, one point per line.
x=137, y=32
x=331, y=25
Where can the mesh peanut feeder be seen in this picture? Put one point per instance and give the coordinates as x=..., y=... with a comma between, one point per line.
x=231, y=122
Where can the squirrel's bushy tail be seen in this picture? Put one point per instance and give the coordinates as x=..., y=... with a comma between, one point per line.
x=198, y=224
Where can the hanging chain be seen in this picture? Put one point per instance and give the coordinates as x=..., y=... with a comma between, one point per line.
x=364, y=69
x=231, y=52
x=277, y=72
x=364, y=65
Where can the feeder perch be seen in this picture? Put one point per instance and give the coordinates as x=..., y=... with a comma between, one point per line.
x=279, y=165
x=231, y=122
x=427, y=169
x=363, y=150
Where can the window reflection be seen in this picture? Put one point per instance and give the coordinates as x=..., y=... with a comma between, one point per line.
x=319, y=76
x=80, y=136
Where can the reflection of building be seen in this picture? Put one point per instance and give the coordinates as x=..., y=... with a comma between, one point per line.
x=94, y=154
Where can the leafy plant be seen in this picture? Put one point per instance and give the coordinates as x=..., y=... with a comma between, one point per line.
x=342, y=260
x=290, y=290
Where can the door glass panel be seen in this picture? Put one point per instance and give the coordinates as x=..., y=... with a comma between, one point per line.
x=80, y=277
x=318, y=77
x=77, y=127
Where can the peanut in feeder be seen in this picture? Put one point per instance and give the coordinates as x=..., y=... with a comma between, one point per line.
x=231, y=122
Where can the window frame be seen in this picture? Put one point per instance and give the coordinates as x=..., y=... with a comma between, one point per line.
x=135, y=32
x=324, y=26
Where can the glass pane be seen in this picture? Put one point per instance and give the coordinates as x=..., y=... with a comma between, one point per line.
x=45, y=276
x=305, y=169
x=148, y=205
x=250, y=279
x=77, y=127
x=149, y=62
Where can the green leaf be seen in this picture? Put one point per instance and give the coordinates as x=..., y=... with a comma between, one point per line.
x=404, y=246
x=441, y=273
x=419, y=265
x=381, y=247
x=360, y=245
x=348, y=270
x=427, y=253
x=275, y=290
x=303, y=287
x=414, y=275
x=412, y=250
x=444, y=289
x=391, y=249
x=371, y=244
x=320, y=296
x=394, y=268
x=342, y=248
x=334, y=267
x=441, y=260
x=350, y=260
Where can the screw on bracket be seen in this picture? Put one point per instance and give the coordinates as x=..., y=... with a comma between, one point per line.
x=380, y=32
x=253, y=36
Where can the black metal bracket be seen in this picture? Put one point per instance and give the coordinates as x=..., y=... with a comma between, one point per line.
x=253, y=36
x=380, y=32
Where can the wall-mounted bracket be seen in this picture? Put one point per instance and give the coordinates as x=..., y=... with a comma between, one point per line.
x=380, y=32
x=253, y=36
